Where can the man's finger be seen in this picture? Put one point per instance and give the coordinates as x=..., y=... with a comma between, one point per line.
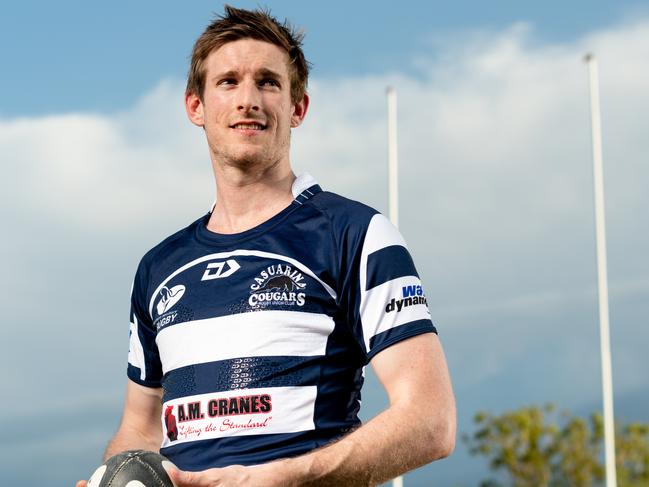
x=182, y=478
x=81, y=483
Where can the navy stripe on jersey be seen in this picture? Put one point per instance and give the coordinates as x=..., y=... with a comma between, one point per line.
x=233, y=294
x=400, y=264
x=251, y=450
x=389, y=337
x=135, y=374
x=339, y=393
x=241, y=373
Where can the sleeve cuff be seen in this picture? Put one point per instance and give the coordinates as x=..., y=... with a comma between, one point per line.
x=394, y=335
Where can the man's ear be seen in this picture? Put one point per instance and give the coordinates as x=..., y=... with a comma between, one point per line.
x=194, y=108
x=299, y=111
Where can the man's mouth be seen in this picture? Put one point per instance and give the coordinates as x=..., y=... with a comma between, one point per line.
x=248, y=126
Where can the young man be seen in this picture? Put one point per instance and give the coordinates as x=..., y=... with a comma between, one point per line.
x=251, y=327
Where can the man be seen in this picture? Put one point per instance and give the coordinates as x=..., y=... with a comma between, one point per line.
x=251, y=327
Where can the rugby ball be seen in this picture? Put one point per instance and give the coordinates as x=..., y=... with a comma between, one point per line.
x=133, y=468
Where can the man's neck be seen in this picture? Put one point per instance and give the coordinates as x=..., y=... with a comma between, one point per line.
x=247, y=198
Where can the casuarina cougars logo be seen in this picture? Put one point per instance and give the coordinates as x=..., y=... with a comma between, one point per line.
x=277, y=285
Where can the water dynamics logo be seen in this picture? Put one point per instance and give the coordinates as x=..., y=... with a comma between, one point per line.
x=411, y=296
x=277, y=285
x=169, y=297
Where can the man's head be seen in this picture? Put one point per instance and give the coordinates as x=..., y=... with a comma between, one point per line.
x=246, y=89
x=237, y=24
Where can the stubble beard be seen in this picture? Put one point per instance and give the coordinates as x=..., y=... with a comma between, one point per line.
x=260, y=160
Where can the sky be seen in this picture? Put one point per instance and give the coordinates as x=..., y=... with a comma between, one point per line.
x=99, y=164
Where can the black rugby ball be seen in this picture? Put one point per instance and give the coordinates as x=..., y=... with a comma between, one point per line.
x=133, y=468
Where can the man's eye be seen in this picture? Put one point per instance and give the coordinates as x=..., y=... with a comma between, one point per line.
x=268, y=82
x=227, y=81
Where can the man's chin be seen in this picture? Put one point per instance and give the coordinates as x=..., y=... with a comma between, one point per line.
x=248, y=160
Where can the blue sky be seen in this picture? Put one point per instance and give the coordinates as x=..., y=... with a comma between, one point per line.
x=496, y=198
x=76, y=55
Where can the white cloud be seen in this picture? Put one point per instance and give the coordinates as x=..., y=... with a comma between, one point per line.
x=107, y=173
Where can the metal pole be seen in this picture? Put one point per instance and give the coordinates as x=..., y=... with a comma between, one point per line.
x=600, y=230
x=393, y=183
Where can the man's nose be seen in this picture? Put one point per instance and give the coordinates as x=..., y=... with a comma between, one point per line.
x=249, y=97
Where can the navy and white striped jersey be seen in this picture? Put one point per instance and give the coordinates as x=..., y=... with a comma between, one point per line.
x=259, y=339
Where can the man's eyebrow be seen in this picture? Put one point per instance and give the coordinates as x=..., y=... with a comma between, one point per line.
x=263, y=72
x=225, y=74
x=269, y=73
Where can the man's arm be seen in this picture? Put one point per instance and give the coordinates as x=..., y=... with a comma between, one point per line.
x=140, y=428
x=417, y=428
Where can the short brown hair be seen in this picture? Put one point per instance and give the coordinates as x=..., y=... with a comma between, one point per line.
x=236, y=24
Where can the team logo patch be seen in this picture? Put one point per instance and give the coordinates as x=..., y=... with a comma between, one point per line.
x=278, y=285
x=169, y=297
x=169, y=310
x=410, y=296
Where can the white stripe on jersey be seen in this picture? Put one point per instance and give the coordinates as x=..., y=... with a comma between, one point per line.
x=253, y=334
x=135, y=349
x=376, y=319
x=224, y=255
x=382, y=233
x=292, y=410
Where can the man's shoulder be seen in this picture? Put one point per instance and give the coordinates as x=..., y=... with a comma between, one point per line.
x=344, y=211
x=356, y=224
x=182, y=238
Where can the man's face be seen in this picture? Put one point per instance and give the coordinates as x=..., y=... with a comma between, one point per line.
x=246, y=108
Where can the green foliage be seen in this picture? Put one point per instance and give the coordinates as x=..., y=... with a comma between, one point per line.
x=536, y=447
x=632, y=450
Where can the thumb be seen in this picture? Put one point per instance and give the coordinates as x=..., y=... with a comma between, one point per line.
x=180, y=478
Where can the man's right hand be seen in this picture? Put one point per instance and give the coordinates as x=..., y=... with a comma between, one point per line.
x=82, y=483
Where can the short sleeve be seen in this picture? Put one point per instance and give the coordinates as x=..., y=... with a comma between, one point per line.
x=392, y=304
x=144, y=365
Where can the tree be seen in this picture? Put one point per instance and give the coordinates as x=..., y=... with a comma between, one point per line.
x=632, y=449
x=537, y=447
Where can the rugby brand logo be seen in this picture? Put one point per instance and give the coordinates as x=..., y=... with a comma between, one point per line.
x=219, y=270
x=169, y=297
x=277, y=285
x=411, y=296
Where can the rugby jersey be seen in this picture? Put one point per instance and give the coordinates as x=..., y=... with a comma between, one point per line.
x=259, y=339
